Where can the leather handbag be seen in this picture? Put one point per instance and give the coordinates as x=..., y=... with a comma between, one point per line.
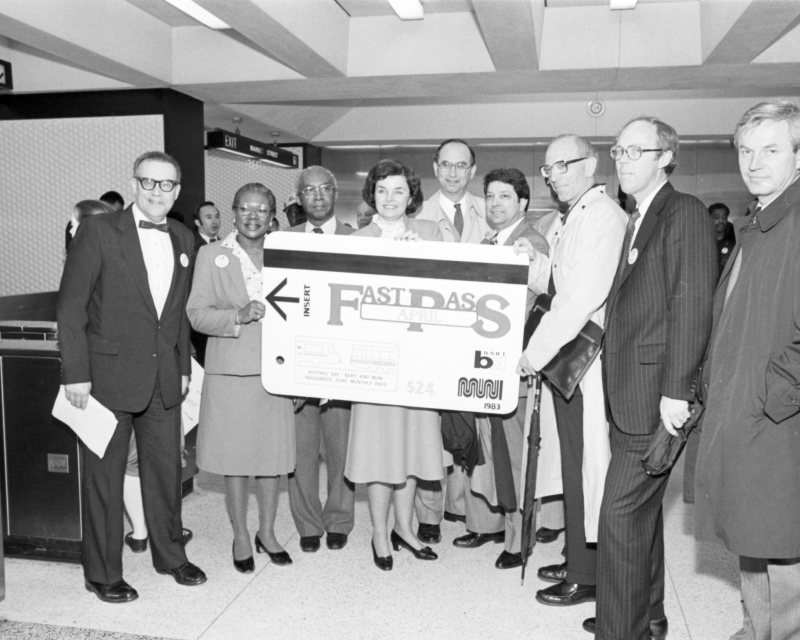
x=570, y=364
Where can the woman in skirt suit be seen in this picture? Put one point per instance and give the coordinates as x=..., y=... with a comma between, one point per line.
x=244, y=430
x=390, y=447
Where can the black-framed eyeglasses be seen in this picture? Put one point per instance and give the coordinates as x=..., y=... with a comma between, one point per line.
x=148, y=184
x=558, y=167
x=323, y=189
x=634, y=152
x=245, y=209
x=460, y=167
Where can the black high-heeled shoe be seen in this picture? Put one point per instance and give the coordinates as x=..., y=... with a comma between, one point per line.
x=248, y=565
x=426, y=553
x=384, y=563
x=280, y=558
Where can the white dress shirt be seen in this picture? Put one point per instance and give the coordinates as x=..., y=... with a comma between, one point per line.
x=449, y=207
x=328, y=227
x=643, y=207
x=159, y=259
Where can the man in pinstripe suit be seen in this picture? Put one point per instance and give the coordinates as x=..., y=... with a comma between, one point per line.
x=658, y=321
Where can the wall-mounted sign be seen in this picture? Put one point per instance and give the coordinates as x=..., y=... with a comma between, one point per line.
x=238, y=144
x=6, y=81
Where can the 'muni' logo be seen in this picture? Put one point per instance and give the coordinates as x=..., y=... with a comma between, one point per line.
x=479, y=388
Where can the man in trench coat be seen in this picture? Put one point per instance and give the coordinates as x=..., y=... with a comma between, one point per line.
x=748, y=476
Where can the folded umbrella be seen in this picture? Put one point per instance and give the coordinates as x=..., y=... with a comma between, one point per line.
x=529, y=493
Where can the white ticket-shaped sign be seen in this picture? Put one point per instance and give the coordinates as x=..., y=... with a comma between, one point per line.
x=418, y=324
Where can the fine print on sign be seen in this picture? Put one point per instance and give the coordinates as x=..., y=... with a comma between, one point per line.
x=417, y=324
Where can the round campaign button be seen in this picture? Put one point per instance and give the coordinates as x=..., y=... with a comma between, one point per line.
x=633, y=255
x=184, y=260
x=724, y=249
x=221, y=261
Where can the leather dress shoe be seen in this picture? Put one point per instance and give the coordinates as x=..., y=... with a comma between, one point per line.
x=454, y=517
x=475, y=540
x=553, y=572
x=247, y=565
x=187, y=574
x=384, y=563
x=565, y=594
x=430, y=533
x=114, y=593
x=280, y=558
x=545, y=535
x=136, y=545
x=426, y=553
x=336, y=541
x=658, y=628
x=140, y=546
x=309, y=544
x=509, y=560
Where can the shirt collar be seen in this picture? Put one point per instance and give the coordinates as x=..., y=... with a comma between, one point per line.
x=644, y=205
x=328, y=227
x=138, y=216
x=205, y=237
x=449, y=207
x=505, y=234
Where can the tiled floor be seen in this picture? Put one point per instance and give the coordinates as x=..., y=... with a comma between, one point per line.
x=342, y=595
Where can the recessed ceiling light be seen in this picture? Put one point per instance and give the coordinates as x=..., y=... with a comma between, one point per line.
x=198, y=13
x=407, y=9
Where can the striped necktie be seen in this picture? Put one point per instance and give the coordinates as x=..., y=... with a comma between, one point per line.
x=629, y=230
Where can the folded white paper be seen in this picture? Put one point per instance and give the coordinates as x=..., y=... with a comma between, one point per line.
x=94, y=425
x=190, y=409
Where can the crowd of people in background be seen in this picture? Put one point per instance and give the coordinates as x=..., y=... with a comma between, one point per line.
x=699, y=314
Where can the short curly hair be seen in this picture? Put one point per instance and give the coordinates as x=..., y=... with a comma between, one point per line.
x=383, y=170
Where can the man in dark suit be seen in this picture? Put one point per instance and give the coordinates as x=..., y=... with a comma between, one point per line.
x=124, y=338
x=658, y=320
x=498, y=480
x=207, y=221
x=316, y=191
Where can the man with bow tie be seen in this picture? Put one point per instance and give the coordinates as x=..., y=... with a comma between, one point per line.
x=124, y=339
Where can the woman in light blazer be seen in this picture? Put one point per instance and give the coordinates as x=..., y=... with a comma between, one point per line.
x=389, y=447
x=244, y=430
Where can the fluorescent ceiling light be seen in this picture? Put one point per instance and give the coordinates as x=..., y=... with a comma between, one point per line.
x=621, y=4
x=407, y=9
x=198, y=13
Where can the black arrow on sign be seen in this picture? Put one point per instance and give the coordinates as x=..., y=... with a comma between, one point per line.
x=274, y=299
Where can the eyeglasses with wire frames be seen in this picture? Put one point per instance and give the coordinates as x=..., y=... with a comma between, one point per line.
x=460, y=167
x=323, y=189
x=558, y=167
x=148, y=184
x=245, y=209
x=633, y=152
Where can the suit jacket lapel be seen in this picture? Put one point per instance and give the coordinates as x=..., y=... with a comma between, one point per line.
x=176, y=270
x=517, y=233
x=132, y=252
x=234, y=273
x=645, y=231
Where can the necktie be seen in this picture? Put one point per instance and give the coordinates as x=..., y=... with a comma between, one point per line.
x=144, y=224
x=316, y=230
x=626, y=247
x=458, y=220
x=493, y=240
